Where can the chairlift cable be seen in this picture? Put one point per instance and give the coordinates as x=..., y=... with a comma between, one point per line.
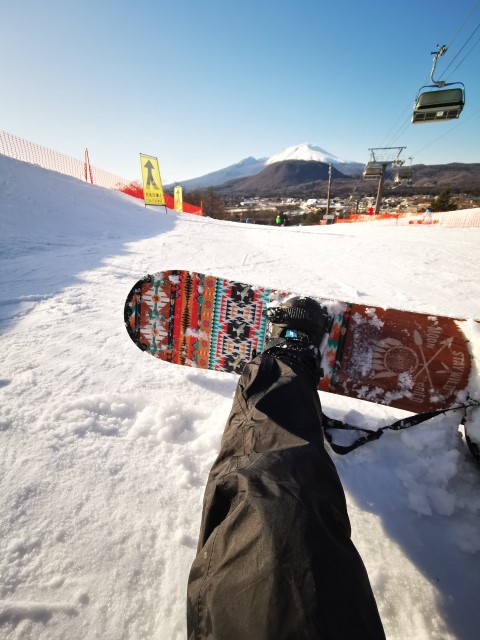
x=403, y=125
x=446, y=133
x=400, y=124
x=398, y=129
x=386, y=139
x=467, y=54
x=463, y=24
x=456, y=35
x=460, y=51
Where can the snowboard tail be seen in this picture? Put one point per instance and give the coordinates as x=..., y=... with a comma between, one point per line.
x=412, y=361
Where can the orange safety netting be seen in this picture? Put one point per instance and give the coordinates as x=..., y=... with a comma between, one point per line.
x=462, y=218
x=358, y=217
x=136, y=190
x=21, y=149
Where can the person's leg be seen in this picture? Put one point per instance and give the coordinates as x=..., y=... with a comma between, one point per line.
x=275, y=560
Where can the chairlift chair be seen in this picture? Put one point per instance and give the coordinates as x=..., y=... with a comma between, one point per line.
x=372, y=171
x=436, y=102
x=439, y=104
x=403, y=175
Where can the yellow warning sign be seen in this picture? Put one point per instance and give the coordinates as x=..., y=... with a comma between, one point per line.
x=178, y=198
x=152, y=182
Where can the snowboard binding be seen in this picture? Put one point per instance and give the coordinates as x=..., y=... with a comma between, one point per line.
x=298, y=318
x=296, y=329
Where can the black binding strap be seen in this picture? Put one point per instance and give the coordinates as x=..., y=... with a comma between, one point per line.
x=369, y=436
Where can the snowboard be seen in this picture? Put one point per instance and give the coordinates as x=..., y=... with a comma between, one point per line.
x=412, y=361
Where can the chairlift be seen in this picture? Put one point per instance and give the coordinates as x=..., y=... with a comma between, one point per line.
x=441, y=104
x=372, y=171
x=436, y=102
x=403, y=175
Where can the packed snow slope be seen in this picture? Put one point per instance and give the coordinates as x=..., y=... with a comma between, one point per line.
x=105, y=451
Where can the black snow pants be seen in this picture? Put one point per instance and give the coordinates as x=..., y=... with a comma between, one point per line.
x=275, y=560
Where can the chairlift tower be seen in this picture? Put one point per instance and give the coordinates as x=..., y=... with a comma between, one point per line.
x=380, y=159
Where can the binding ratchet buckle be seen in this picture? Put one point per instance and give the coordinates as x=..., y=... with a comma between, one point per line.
x=279, y=315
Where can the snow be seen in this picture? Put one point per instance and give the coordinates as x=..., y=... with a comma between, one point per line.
x=104, y=451
x=304, y=151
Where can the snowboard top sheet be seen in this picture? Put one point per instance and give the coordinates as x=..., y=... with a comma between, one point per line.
x=412, y=361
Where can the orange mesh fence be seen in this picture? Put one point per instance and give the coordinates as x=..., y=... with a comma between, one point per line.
x=463, y=218
x=21, y=149
x=187, y=208
x=136, y=190
x=358, y=217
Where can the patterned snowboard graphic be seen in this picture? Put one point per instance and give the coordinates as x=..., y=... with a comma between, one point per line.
x=412, y=361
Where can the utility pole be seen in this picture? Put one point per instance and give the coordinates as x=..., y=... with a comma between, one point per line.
x=329, y=192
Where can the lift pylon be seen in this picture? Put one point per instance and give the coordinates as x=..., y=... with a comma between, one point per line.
x=375, y=169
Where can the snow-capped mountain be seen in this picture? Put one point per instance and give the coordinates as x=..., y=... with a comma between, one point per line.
x=310, y=153
x=307, y=152
x=251, y=166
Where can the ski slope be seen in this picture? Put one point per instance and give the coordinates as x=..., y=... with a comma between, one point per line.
x=104, y=451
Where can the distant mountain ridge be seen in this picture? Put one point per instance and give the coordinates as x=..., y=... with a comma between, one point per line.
x=246, y=167
x=282, y=175
x=251, y=166
x=301, y=169
x=298, y=178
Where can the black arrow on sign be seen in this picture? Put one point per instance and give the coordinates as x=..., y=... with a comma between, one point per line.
x=150, y=181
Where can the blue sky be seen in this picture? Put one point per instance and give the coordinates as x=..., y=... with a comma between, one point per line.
x=202, y=85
